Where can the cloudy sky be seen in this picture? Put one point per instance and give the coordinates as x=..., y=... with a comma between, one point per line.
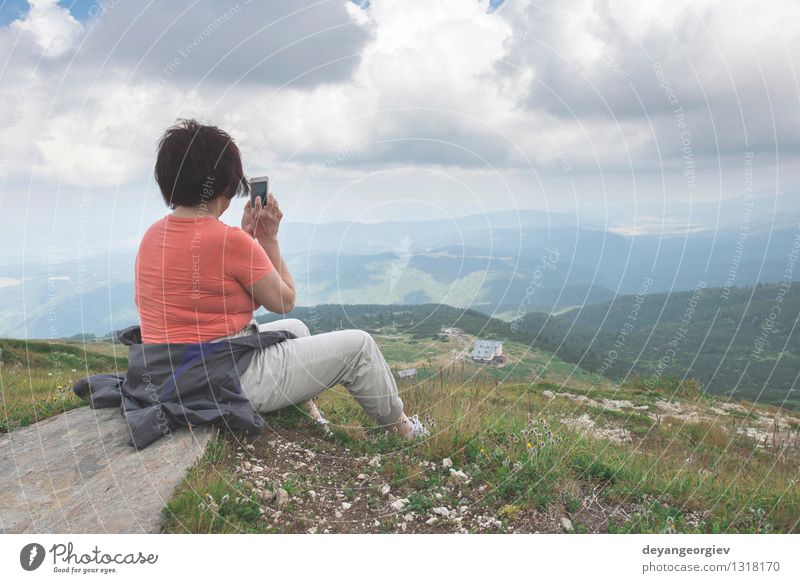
x=392, y=109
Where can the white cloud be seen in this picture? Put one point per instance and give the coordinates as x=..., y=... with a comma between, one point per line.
x=52, y=26
x=444, y=84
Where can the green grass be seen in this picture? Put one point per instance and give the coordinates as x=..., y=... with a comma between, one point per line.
x=36, y=379
x=675, y=475
x=211, y=500
x=510, y=439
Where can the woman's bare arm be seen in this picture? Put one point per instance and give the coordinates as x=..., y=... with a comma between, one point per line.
x=275, y=291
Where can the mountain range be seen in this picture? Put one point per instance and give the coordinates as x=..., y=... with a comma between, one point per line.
x=505, y=264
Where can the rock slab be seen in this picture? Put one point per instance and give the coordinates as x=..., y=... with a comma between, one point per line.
x=76, y=473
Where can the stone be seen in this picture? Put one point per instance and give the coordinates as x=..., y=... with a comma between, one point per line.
x=385, y=489
x=281, y=497
x=346, y=506
x=447, y=463
x=458, y=476
x=566, y=524
x=375, y=462
x=399, y=504
x=75, y=473
x=442, y=511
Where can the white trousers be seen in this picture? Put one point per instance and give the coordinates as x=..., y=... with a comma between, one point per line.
x=297, y=370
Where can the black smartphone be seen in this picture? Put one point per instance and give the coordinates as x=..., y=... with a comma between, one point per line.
x=259, y=187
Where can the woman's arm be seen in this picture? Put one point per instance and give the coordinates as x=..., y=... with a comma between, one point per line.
x=275, y=291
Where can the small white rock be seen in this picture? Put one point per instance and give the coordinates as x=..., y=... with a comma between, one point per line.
x=566, y=523
x=375, y=462
x=442, y=511
x=447, y=463
x=432, y=520
x=282, y=497
x=385, y=489
x=399, y=504
x=458, y=476
x=346, y=506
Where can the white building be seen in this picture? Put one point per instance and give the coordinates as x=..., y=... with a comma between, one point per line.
x=488, y=352
x=407, y=373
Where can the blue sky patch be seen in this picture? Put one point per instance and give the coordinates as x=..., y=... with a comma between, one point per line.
x=11, y=10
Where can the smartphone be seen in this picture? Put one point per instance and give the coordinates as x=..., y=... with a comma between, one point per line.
x=259, y=187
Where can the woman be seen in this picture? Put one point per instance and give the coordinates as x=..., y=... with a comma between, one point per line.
x=198, y=279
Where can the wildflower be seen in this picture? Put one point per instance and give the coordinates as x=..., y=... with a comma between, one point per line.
x=670, y=525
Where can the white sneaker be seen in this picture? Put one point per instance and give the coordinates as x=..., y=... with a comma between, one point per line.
x=417, y=428
x=318, y=417
x=323, y=423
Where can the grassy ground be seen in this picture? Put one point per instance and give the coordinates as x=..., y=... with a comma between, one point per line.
x=36, y=378
x=534, y=446
x=529, y=469
x=523, y=363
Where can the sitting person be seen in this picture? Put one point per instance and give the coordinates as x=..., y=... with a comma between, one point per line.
x=198, y=280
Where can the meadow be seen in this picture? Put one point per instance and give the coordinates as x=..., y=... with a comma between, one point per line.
x=535, y=445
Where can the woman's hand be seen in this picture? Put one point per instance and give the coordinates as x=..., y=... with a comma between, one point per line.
x=262, y=222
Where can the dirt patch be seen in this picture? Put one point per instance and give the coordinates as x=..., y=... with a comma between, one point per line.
x=588, y=426
x=609, y=404
x=310, y=484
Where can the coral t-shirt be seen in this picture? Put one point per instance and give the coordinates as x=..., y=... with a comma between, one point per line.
x=191, y=279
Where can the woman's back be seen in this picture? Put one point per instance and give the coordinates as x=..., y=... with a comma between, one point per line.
x=191, y=279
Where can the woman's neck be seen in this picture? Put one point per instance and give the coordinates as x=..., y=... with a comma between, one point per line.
x=210, y=210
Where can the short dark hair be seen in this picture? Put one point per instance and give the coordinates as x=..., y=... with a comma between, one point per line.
x=197, y=163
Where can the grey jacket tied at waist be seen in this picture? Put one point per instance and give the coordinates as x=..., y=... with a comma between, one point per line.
x=172, y=385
